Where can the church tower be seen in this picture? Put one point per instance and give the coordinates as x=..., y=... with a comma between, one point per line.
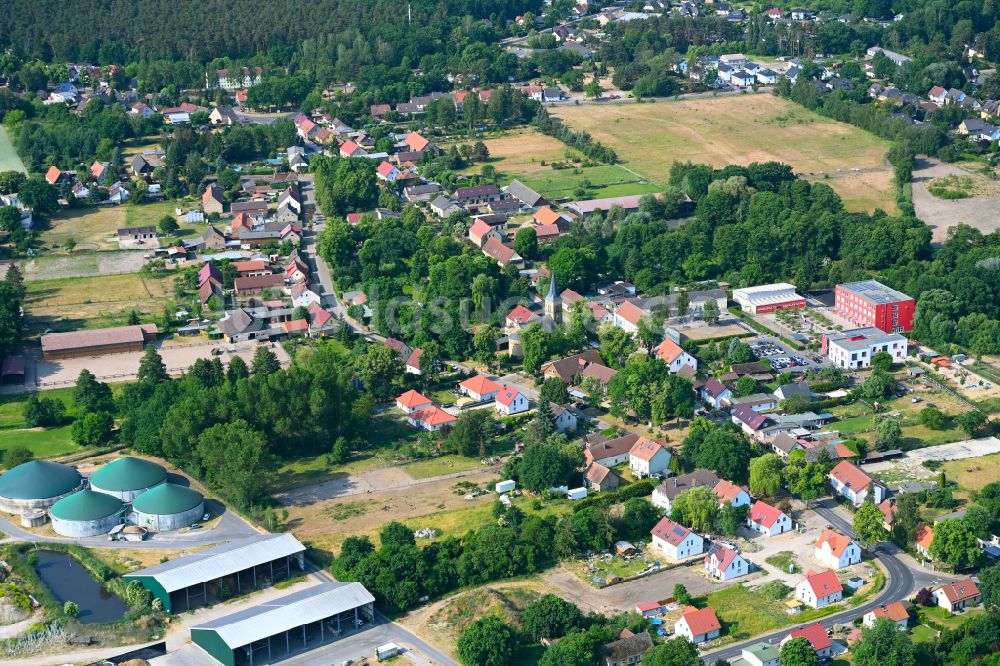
x=553, y=303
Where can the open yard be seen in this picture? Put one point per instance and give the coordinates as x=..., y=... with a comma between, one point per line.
x=857, y=419
x=72, y=303
x=528, y=155
x=9, y=160
x=737, y=130
x=973, y=473
x=94, y=228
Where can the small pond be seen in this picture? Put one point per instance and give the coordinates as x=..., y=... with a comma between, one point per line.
x=70, y=581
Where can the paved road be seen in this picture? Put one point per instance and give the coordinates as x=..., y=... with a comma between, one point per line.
x=230, y=526
x=905, y=577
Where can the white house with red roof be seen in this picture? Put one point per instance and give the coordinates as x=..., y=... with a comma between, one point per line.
x=674, y=356
x=480, y=232
x=768, y=520
x=648, y=458
x=817, y=637
x=958, y=595
x=819, y=589
x=387, y=171
x=351, y=149
x=676, y=541
x=411, y=401
x=510, y=401
x=479, y=388
x=725, y=564
x=627, y=317
x=698, y=625
x=416, y=143
x=431, y=418
x=923, y=539
x=836, y=550
x=730, y=493
x=895, y=611
x=848, y=480
x=649, y=609
x=412, y=362
x=520, y=317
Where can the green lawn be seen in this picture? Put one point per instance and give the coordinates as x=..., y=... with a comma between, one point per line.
x=440, y=465
x=605, y=181
x=11, y=405
x=47, y=443
x=783, y=560
x=9, y=159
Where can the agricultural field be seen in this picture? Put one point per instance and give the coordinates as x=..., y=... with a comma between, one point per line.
x=9, y=160
x=740, y=130
x=528, y=156
x=93, y=302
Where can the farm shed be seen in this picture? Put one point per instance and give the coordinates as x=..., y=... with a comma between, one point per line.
x=288, y=625
x=218, y=573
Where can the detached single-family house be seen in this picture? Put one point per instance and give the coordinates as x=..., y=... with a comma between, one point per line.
x=676, y=541
x=674, y=356
x=665, y=493
x=760, y=654
x=432, y=419
x=502, y=254
x=627, y=650
x=768, y=520
x=510, y=401
x=627, y=317
x=480, y=232
x=648, y=458
x=563, y=419
x=608, y=452
x=894, y=611
x=730, y=493
x=785, y=391
x=819, y=590
x=836, y=550
x=212, y=200
x=599, y=478
x=923, y=540
x=479, y=388
x=956, y=596
x=725, y=563
x=698, y=625
x=817, y=637
x=412, y=362
x=714, y=392
x=848, y=480
x=411, y=401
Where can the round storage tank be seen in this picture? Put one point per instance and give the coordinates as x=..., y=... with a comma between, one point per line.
x=37, y=484
x=168, y=507
x=86, y=513
x=127, y=478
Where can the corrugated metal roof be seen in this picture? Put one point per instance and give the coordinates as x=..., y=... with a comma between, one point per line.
x=280, y=615
x=221, y=561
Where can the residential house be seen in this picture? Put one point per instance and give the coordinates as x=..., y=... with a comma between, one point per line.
x=627, y=650
x=732, y=494
x=255, y=211
x=519, y=318
x=958, y=595
x=137, y=234
x=223, y=115
x=759, y=654
x=849, y=481
x=563, y=418
x=748, y=420
x=212, y=200
x=480, y=232
x=923, y=539
x=599, y=478
x=303, y=296
x=566, y=369
x=835, y=550
x=213, y=239
x=816, y=635
x=627, y=317
x=676, y=541
x=759, y=402
x=698, y=625
x=510, y=401
x=99, y=171
x=443, y=206
x=768, y=520
x=502, y=254
x=411, y=401
x=117, y=194
x=608, y=452
x=432, y=419
x=819, y=589
x=412, y=362
x=714, y=393
x=417, y=143
x=894, y=611
x=648, y=458
x=674, y=356
x=478, y=194
x=256, y=285
x=725, y=563
x=785, y=391
x=665, y=493
x=528, y=198
x=479, y=388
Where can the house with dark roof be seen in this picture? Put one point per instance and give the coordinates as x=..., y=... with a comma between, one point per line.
x=626, y=651
x=528, y=198
x=567, y=368
x=665, y=493
x=610, y=452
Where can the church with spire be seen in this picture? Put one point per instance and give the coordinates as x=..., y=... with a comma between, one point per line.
x=552, y=306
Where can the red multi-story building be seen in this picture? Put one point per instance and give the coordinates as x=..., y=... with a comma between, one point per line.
x=871, y=303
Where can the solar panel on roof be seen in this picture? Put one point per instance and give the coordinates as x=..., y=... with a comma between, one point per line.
x=679, y=531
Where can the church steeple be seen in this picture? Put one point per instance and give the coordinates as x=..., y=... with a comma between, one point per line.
x=553, y=302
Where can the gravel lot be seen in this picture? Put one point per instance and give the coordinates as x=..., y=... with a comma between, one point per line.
x=942, y=214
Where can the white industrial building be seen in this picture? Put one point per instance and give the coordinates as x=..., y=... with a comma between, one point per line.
x=768, y=298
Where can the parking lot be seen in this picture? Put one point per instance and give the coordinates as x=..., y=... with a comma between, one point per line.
x=782, y=357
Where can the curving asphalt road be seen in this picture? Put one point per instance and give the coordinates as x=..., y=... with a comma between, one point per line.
x=903, y=580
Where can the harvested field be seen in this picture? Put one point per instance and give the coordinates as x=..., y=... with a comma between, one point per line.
x=730, y=130
x=93, y=302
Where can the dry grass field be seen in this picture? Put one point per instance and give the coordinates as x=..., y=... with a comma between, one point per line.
x=71, y=303
x=973, y=473
x=91, y=228
x=739, y=130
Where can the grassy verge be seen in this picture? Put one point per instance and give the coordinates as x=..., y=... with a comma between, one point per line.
x=783, y=560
